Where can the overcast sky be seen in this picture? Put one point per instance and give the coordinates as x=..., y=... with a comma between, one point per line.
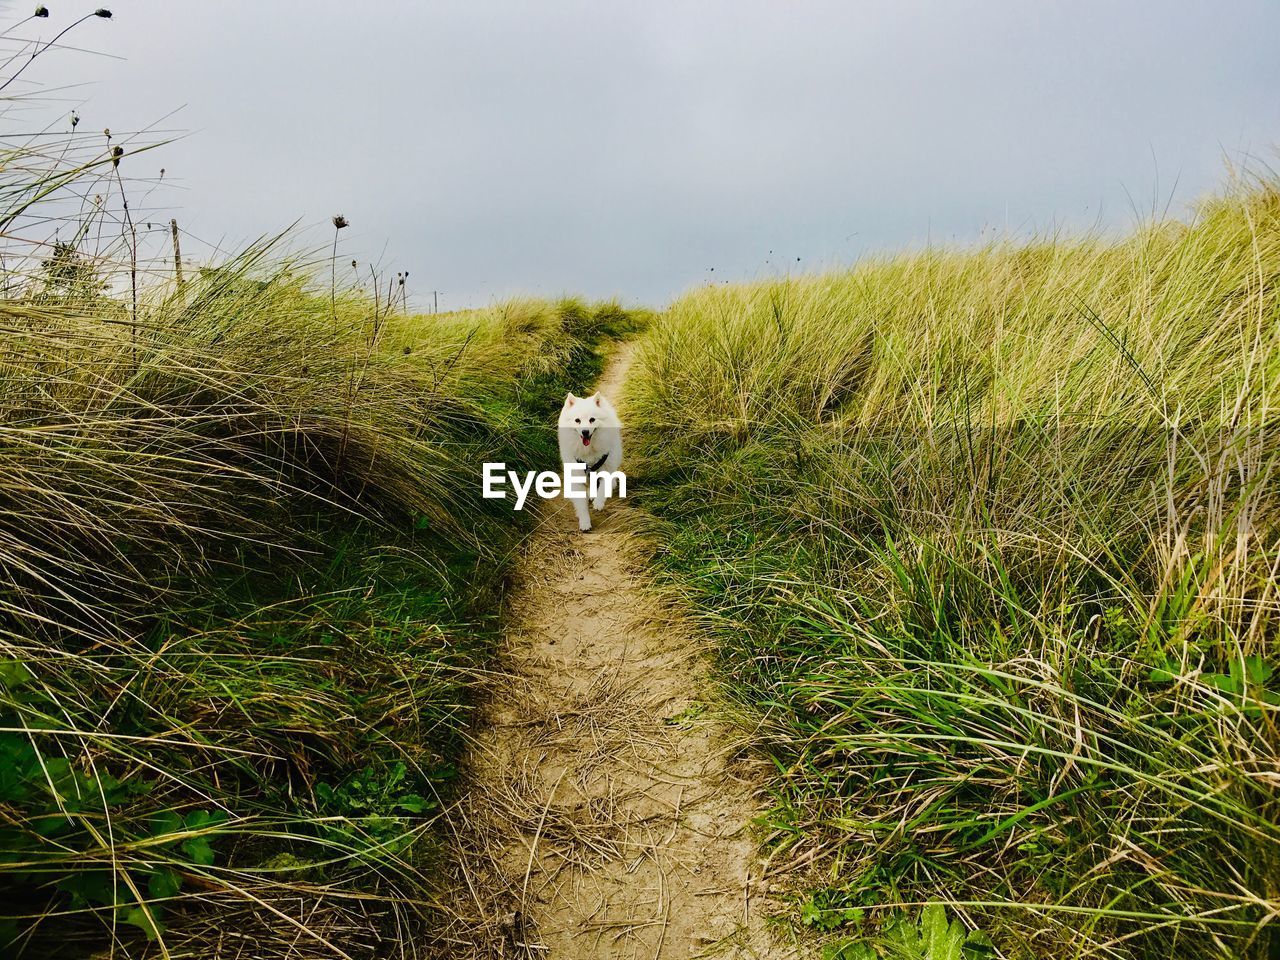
x=619, y=147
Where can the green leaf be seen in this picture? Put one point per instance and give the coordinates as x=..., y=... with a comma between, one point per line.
x=1257, y=670
x=199, y=850
x=63, y=782
x=942, y=940
x=165, y=822
x=978, y=945
x=412, y=803
x=203, y=819
x=1223, y=682
x=90, y=887
x=164, y=883
x=17, y=760
x=14, y=674
x=900, y=931
x=145, y=920
x=50, y=824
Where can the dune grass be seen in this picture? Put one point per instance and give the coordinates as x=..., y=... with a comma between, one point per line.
x=247, y=581
x=989, y=543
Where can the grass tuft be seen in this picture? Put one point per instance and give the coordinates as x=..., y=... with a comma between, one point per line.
x=247, y=583
x=989, y=540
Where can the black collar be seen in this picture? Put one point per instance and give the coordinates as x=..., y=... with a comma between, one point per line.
x=593, y=467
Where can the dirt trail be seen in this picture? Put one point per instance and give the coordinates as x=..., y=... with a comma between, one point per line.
x=611, y=815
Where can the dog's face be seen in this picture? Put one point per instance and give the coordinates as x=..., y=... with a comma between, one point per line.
x=584, y=416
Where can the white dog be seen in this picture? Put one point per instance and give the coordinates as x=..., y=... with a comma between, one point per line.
x=591, y=434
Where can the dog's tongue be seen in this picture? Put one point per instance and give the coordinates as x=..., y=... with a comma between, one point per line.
x=586, y=441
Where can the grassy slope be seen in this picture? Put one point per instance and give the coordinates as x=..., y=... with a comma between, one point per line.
x=989, y=542
x=247, y=582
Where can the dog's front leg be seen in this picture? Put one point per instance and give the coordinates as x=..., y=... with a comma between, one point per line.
x=584, y=515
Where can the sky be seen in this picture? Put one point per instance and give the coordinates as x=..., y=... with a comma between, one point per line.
x=617, y=148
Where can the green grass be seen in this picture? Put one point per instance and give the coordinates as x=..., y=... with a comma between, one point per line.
x=248, y=585
x=989, y=543
x=247, y=580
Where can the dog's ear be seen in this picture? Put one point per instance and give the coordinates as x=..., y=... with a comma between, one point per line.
x=596, y=397
x=570, y=400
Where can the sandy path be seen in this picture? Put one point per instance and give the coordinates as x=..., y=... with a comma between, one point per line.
x=610, y=815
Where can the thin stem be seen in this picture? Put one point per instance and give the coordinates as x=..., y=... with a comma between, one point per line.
x=39, y=49
x=133, y=261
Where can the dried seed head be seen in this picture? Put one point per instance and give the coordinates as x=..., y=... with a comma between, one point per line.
x=353, y=264
x=116, y=154
x=41, y=10
x=339, y=222
x=75, y=119
x=102, y=12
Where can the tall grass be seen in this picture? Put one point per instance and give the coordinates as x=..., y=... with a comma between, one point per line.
x=247, y=580
x=989, y=540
